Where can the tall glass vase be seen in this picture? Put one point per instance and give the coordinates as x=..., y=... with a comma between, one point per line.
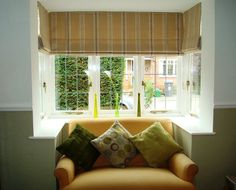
x=139, y=106
x=117, y=105
x=95, y=108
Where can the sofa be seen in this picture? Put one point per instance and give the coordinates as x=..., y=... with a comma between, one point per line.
x=177, y=174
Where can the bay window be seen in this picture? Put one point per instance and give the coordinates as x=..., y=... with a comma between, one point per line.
x=73, y=80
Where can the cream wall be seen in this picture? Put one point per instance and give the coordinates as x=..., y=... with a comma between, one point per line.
x=207, y=65
x=225, y=61
x=24, y=163
x=215, y=154
x=15, y=59
x=28, y=164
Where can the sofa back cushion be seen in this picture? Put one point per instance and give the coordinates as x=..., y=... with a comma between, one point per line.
x=134, y=125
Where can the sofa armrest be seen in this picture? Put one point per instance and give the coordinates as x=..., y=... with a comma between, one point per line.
x=183, y=167
x=64, y=171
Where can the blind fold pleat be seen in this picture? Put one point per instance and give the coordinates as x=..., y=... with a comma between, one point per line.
x=116, y=32
x=191, y=26
x=44, y=34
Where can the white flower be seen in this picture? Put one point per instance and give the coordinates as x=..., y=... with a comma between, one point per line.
x=108, y=73
x=87, y=72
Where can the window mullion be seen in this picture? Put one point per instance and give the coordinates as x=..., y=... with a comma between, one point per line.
x=140, y=77
x=94, y=75
x=51, y=84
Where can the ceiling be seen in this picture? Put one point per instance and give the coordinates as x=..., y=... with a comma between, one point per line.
x=119, y=5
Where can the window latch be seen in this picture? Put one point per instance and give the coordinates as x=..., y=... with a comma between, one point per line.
x=45, y=86
x=143, y=83
x=187, y=84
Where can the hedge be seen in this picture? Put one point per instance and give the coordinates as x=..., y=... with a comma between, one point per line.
x=71, y=82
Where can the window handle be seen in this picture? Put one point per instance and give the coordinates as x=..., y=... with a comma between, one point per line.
x=45, y=86
x=187, y=84
x=143, y=83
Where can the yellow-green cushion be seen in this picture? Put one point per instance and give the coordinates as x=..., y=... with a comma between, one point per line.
x=115, y=146
x=155, y=144
x=78, y=148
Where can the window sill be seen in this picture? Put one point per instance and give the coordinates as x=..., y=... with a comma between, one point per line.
x=191, y=125
x=50, y=127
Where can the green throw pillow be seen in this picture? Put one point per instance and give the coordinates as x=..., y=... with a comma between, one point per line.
x=78, y=148
x=115, y=146
x=155, y=144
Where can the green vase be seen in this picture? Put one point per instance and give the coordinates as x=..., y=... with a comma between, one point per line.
x=139, y=106
x=117, y=106
x=95, y=108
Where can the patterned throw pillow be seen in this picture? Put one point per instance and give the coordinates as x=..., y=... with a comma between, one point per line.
x=78, y=148
x=155, y=144
x=115, y=146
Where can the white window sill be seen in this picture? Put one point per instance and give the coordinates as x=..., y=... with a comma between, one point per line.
x=50, y=127
x=191, y=125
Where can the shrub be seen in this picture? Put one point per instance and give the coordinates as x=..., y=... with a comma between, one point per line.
x=71, y=82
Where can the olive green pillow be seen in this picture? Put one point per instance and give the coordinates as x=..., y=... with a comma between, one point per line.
x=78, y=148
x=155, y=144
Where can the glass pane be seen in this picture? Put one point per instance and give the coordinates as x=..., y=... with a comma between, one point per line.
x=160, y=84
x=61, y=101
x=82, y=83
x=127, y=99
x=171, y=94
x=70, y=81
x=196, y=83
x=115, y=78
x=71, y=100
x=82, y=101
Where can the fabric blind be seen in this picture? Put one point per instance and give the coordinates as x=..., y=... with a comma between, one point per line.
x=59, y=32
x=167, y=33
x=44, y=34
x=191, y=26
x=116, y=32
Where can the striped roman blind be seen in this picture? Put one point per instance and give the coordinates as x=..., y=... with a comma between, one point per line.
x=191, y=26
x=44, y=34
x=116, y=32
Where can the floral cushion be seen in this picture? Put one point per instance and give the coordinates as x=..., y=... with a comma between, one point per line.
x=115, y=146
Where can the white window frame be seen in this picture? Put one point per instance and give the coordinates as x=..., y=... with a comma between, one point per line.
x=185, y=71
x=47, y=74
x=46, y=84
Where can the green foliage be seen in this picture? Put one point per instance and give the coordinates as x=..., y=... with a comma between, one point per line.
x=71, y=82
x=149, y=93
x=110, y=86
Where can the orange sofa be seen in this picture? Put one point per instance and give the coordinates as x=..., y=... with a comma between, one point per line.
x=178, y=174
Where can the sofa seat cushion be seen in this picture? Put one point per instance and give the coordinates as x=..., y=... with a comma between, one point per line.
x=129, y=179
